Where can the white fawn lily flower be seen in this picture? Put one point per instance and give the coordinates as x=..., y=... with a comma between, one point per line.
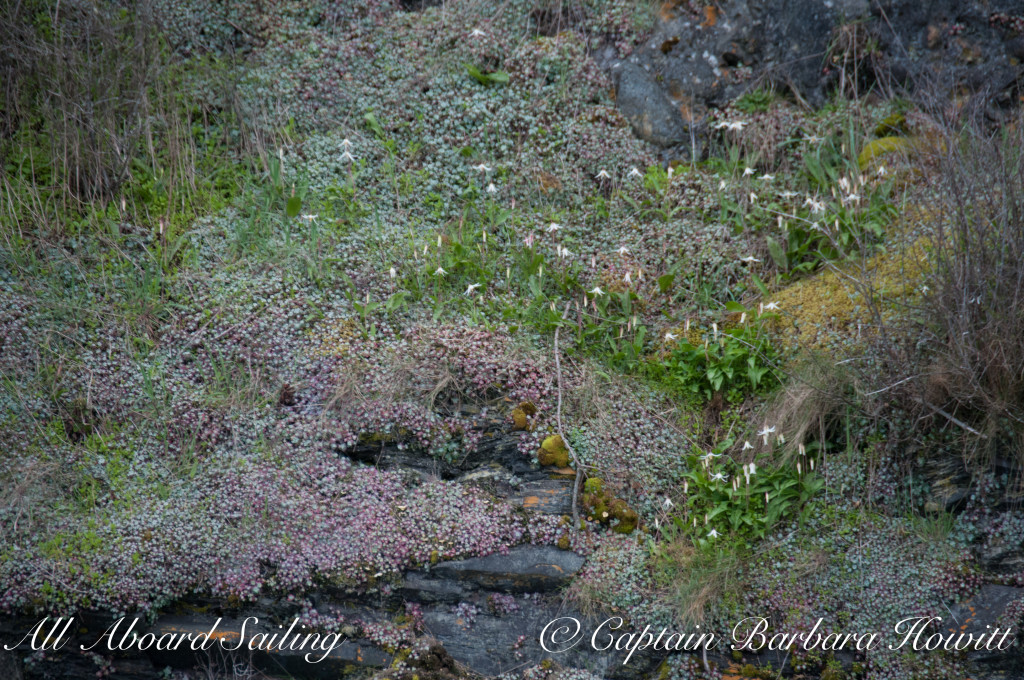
x=528, y=241
x=789, y=194
x=772, y=306
x=477, y=33
x=747, y=172
x=719, y=477
x=633, y=172
x=472, y=287
x=667, y=504
x=483, y=167
x=851, y=198
x=347, y=156
x=553, y=227
x=747, y=445
x=564, y=252
x=814, y=139
x=881, y=171
x=491, y=189
x=603, y=174
x=732, y=126
x=670, y=336
x=623, y=250
x=596, y=291
x=816, y=206
x=440, y=272
x=721, y=185
x=753, y=197
x=393, y=273
x=713, y=534
x=310, y=218
x=346, y=143
x=765, y=432
x=767, y=177
x=627, y=278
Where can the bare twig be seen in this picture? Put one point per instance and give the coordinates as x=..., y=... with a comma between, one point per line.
x=561, y=432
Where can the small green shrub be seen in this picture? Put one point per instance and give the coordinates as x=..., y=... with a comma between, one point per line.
x=725, y=498
x=734, y=361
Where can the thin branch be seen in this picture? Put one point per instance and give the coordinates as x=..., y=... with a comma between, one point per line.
x=561, y=432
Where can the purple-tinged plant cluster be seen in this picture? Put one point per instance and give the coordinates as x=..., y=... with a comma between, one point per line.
x=465, y=613
x=549, y=671
x=1011, y=22
x=387, y=635
x=957, y=581
x=248, y=527
x=632, y=447
x=502, y=603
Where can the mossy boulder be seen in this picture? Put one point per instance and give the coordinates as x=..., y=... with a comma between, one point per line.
x=626, y=516
x=605, y=508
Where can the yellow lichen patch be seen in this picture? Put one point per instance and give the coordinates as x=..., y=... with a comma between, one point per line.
x=519, y=420
x=521, y=416
x=333, y=337
x=884, y=146
x=831, y=304
x=553, y=452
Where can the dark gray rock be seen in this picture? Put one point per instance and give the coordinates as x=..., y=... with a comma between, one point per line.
x=644, y=104
x=1001, y=557
x=491, y=644
x=498, y=448
x=976, y=615
x=546, y=496
x=525, y=569
x=930, y=50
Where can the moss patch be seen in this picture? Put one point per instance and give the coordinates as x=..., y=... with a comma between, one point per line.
x=553, y=452
x=830, y=304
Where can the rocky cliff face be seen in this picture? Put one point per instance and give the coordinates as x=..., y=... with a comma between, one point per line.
x=483, y=616
x=703, y=55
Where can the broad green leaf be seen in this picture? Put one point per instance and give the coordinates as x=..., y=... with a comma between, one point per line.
x=293, y=207
x=734, y=306
x=778, y=253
